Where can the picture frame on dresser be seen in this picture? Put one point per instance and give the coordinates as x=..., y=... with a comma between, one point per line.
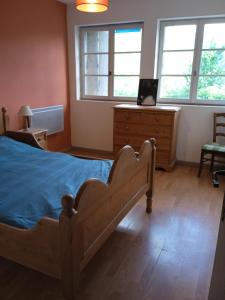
x=147, y=92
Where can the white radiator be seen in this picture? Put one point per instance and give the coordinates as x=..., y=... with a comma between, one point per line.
x=50, y=118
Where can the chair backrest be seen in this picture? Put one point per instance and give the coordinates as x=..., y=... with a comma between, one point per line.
x=219, y=126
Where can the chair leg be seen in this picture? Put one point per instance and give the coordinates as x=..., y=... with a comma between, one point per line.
x=201, y=163
x=212, y=163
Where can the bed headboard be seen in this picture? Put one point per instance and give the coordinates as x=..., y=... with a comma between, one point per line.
x=22, y=137
x=3, y=121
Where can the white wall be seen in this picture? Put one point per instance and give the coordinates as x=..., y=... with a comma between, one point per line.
x=92, y=121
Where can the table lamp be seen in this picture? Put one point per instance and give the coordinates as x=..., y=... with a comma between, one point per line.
x=25, y=111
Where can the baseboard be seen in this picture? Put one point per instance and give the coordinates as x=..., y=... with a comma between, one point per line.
x=95, y=153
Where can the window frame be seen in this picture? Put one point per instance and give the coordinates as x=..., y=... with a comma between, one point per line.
x=198, y=49
x=111, y=52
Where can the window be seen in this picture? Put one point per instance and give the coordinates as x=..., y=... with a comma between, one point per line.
x=191, y=62
x=110, y=59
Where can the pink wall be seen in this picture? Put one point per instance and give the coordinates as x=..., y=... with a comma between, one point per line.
x=33, y=60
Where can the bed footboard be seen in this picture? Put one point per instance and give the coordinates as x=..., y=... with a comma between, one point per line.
x=37, y=248
x=100, y=207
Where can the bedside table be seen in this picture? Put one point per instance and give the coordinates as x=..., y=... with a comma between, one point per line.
x=39, y=134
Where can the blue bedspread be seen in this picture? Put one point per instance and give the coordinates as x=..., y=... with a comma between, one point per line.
x=33, y=181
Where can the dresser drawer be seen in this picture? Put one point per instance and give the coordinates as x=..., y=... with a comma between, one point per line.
x=127, y=116
x=140, y=129
x=127, y=128
x=128, y=140
x=154, y=119
x=137, y=141
x=155, y=131
x=143, y=117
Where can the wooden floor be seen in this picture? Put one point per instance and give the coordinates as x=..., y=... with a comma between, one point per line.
x=167, y=255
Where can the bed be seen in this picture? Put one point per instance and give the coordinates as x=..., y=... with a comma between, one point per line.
x=60, y=243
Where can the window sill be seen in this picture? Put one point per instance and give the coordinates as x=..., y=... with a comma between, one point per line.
x=191, y=104
x=107, y=101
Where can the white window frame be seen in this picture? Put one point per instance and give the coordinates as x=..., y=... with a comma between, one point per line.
x=111, y=28
x=199, y=22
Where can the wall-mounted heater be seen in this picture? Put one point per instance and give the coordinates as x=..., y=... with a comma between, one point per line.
x=50, y=118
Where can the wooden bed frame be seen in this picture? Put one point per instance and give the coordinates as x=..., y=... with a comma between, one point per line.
x=63, y=248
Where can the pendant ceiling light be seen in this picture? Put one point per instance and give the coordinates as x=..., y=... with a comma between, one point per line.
x=92, y=6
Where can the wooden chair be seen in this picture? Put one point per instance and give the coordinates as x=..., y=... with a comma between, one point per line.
x=210, y=151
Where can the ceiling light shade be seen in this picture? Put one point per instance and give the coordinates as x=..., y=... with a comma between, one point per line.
x=92, y=6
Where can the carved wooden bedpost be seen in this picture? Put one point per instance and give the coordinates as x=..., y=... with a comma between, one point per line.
x=151, y=171
x=70, y=249
x=4, y=119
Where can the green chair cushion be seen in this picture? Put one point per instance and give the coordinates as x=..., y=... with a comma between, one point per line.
x=214, y=147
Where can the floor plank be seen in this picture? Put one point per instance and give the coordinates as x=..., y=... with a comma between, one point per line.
x=166, y=255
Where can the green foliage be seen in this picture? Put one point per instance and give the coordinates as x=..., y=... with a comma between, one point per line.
x=181, y=91
x=210, y=86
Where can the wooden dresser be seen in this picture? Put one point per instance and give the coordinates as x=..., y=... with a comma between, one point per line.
x=133, y=124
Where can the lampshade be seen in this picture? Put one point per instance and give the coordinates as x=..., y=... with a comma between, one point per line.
x=92, y=6
x=25, y=111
